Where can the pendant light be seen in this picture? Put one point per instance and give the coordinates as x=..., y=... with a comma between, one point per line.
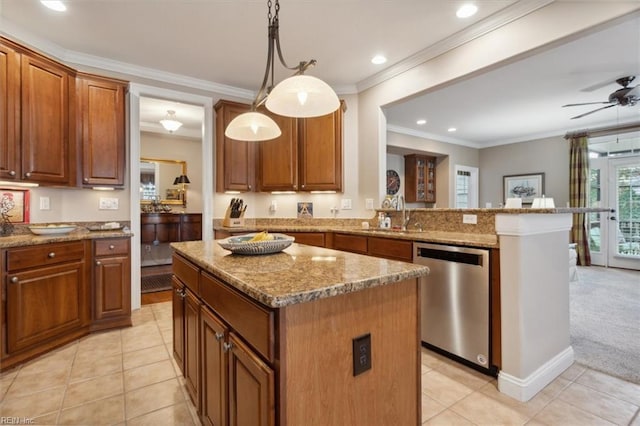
x=170, y=123
x=297, y=96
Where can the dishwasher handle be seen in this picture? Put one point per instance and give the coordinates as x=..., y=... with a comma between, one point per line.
x=450, y=256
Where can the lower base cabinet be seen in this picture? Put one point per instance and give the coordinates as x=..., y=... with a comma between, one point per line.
x=112, y=283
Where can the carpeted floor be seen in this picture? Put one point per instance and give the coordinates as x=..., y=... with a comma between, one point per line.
x=154, y=283
x=605, y=319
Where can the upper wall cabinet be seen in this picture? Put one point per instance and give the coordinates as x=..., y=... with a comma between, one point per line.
x=41, y=144
x=235, y=164
x=420, y=178
x=101, y=130
x=306, y=157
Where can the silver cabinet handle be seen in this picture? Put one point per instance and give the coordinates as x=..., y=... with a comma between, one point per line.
x=98, y=263
x=86, y=179
x=14, y=279
x=219, y=336
x=111, y=246
x=12, y=173
x=28, y=174
x=51, y=255
x=226, y=347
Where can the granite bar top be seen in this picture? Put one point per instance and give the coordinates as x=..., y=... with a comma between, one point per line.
x=22, y=239
x=298, y=274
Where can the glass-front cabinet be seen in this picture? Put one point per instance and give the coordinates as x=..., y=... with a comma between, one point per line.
x=420, y=178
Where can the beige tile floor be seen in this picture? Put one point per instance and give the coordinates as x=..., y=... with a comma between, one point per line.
x=128, y=377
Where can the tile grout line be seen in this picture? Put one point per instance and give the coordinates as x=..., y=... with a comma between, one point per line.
x=67, y=381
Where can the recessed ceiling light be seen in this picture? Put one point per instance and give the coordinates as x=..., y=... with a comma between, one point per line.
x=451, y=129
x=421, y=121
x=466, y=10
x=56, y=5
x=378, y=59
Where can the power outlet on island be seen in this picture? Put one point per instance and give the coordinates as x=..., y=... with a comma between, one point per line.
x=361, y=354
x=471, y=219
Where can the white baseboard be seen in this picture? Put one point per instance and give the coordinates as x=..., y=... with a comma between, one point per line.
x=525, y=389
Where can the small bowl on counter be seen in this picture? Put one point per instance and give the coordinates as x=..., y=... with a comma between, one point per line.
x=51, y=229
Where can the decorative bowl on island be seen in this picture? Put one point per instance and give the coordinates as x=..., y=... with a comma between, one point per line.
x=243, y=244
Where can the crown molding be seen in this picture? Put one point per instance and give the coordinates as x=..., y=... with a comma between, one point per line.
x=431, y=136
x=497, y=20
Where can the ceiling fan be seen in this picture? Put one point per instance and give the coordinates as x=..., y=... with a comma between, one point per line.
x=622, y=97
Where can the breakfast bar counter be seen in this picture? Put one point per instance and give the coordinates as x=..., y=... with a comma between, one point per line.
x=306, y=336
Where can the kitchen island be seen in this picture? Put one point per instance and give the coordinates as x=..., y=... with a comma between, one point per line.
x=305, y=336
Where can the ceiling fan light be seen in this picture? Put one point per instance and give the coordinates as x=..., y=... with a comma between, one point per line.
x=302, y=96
x=252, y=126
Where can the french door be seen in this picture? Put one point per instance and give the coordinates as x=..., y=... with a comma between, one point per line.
x=614, y=236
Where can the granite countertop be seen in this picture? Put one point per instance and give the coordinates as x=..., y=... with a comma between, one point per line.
x=298, y=274
x=80, y=233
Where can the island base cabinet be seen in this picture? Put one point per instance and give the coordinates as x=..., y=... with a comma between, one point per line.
x=214, y=370
x=192, y=346
x=178, y=322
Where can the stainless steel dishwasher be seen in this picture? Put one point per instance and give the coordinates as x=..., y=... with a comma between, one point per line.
x=455, y=301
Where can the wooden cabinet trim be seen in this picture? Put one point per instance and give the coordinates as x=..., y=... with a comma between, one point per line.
x=21, y=258
x=391, y=248
x=187, y=272
x=348, y=242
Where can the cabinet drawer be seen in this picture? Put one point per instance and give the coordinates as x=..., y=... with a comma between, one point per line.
x=353, y=243
x=253, y=322
x=187, y=273
x=391, y=249
x=309, y=238
x=111, y=247
x=43, y=255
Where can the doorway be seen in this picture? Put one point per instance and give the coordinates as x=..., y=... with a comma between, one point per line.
x=614, y=236
x=136, y=92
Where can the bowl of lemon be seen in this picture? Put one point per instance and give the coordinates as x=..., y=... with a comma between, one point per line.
x=256, y=243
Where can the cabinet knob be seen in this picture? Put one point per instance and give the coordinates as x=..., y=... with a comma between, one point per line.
x=111, y=246
x=85, y=180
x=302, y=186
x=12, y=173
x=219, y=336
x=14, y=279
x=51, y=255
x=227, y=346
x=28, y=174
x=249, y=187
x=98, y=263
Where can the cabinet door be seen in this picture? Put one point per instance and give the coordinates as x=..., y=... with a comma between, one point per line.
x=102, y=131
x=44, y=303
x=235, y=160
x=321, y=152
x=251, y=387
x=9, y=113
x=178, y=322
x=214, y=369
x=190, y=227
x=47, y=153
x=192, y=346
x=112, y=283
x=278, y=158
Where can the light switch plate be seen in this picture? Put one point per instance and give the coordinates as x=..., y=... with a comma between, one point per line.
x=44, y=203
x=108, y=203
x=368, y=203
x=346, y=204
x=471, y=219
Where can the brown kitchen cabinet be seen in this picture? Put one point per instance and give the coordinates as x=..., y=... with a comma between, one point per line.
x=277, y=168
x=320, y=157
x=352, y=243
x=419, y=178
x=190, y=226
x=111, y=283
x=41, y=146
x=235, y=160
x=178, y=321
x=317, y=239
x=192, y=346
x=101, y=129
x=46, y=297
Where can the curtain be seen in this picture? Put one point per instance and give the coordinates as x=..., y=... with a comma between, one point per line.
x=579, y=195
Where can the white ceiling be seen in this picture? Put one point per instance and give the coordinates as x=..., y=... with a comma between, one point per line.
x=222, y=44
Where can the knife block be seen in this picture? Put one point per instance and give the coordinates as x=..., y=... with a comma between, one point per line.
x=232, y=222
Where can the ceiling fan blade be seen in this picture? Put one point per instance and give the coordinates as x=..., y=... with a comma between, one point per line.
x=635, y=92
x=586, y=103
x=591, y=112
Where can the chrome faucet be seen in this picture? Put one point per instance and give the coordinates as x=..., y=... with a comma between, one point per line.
x=405, y=213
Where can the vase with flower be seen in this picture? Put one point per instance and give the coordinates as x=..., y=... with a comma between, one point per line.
x=6, y=205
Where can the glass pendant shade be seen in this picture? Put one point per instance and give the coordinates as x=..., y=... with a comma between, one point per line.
x=302, y=96
x=170, y=123
x=252, y=126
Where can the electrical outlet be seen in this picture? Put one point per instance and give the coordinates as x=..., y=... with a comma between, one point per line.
x=361, y=354
x=273, y=206
x=108, y=203
x=368, y=202
x=471, y=219
x=44, y=203
x=346, y=204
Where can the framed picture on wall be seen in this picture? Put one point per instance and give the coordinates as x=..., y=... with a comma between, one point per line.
x=16, y=202
x=527, y=187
